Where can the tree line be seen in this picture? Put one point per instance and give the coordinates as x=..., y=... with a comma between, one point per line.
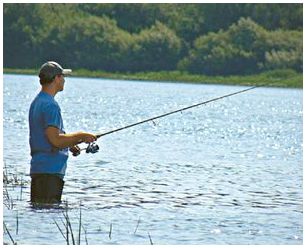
x=211, y=39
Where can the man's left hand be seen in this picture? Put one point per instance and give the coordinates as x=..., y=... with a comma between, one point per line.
x=75, y=150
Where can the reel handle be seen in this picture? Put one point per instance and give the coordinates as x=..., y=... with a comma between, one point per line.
x=76, y=153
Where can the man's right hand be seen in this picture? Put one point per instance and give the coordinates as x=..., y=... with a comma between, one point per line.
x=63, y=140
x=88, y=137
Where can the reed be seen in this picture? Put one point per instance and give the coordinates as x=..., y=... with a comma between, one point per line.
x=15, y=178
x=5, y=175
x=61, y=231
x=11, y=180
x=66, y=231
x=7, y=200
x=110, y=231
x=151, y=242
x=17, y=223
x=9, y=234
x=85, y=234
x=21, y=186
x=80, y=224
x=137, y=225
x=68, y=226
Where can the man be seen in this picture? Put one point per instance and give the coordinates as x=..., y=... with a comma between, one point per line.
x=48, y=141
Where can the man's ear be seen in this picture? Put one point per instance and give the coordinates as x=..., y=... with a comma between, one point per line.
x=57, y=78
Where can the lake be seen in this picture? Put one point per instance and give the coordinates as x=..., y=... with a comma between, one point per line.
x=228, y=172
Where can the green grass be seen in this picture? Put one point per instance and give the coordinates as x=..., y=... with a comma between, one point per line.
x=277, y=78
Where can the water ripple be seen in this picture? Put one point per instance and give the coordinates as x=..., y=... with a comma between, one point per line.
x=225, y=173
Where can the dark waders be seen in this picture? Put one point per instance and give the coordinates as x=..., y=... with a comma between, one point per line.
x=46, y=188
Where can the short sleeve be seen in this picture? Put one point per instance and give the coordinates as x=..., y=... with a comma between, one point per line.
x=52, y=116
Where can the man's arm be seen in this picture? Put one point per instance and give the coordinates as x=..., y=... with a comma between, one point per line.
x=60, y=140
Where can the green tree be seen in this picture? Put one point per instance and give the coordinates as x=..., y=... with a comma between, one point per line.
x=157, y=48
x=20, y=24
x=95, y=43
x=131, y=17
x=245, y=48
x=136, y=37
x=284, y=49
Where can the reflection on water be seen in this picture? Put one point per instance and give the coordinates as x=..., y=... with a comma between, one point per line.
x=229, y=172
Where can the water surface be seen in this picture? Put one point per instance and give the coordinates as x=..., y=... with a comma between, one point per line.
x=229, y=172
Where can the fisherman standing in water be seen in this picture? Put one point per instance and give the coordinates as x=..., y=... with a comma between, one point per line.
x=48, y=141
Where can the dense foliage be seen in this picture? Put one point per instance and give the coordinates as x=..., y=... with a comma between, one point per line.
x=212, y=39
x=244, y=48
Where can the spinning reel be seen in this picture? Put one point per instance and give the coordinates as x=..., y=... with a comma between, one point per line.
x=91, y=148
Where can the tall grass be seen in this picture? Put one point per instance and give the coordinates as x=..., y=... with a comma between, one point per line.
x=276, y=78
x=66, y=230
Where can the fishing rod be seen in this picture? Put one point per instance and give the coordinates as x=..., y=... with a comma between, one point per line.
x=93, y=147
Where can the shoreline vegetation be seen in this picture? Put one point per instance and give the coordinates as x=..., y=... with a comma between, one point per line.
x=286, y=78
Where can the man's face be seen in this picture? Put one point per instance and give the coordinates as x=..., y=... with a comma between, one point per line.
x=60, y=81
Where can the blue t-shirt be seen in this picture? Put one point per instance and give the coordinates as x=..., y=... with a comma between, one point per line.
x=45, y=112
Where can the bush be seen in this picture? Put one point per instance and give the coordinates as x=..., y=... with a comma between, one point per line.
x=283, y=59
x=20, y=23
x=82, y=36
x=225, y=53
x=284, y=49
x=245, y=48
x=98, y=36
x=157, y=48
